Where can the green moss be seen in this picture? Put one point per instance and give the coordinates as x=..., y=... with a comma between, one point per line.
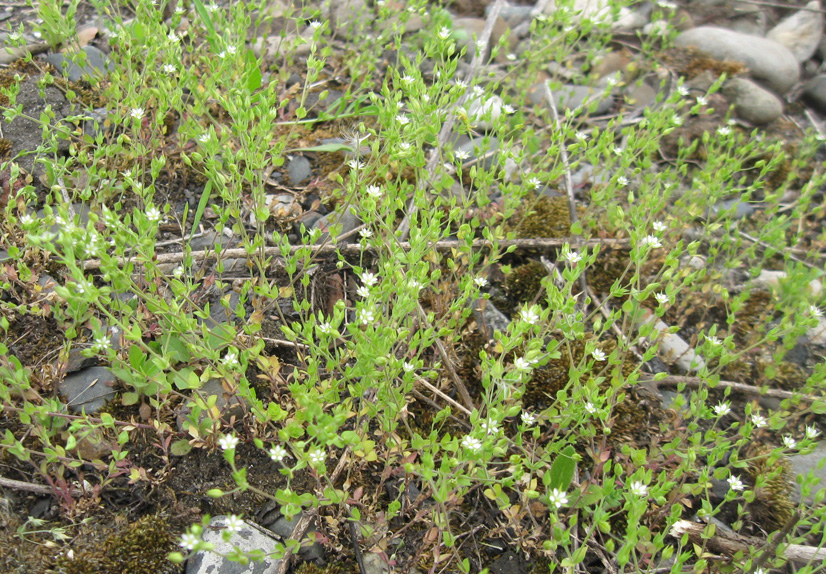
x=525, y=282
x=543, y=217
x=772, y=506
x=141, y=547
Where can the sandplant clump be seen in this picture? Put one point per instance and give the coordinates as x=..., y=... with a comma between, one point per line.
x=440, y=339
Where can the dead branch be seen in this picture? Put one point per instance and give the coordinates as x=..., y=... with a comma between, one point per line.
x=697, y=382
x=354, y=250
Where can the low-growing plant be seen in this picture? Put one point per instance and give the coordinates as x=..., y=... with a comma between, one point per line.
x=372, y=382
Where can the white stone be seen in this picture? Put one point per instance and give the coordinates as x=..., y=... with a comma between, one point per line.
x=801, y=32
x=766, y=59
x=251, y=537
x=817, y=334
x=673, y=349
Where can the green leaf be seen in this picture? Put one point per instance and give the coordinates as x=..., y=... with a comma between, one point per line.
x=330, y=147
x=180, y=447
x=202, y=205
x=128, y=399
x=202, y=12
x=253, y=72
x=562, y=469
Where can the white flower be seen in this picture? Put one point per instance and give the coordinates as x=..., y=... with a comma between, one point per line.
x=558, y=498
x=234, y=523
x=573, y=257
x=369, y=279
x=659, y=226
x=355, y=164
x=590, y=408
x=677, y=120
x=528, y=419
x=722, y=409
x=231, y=50
x=651, y=240
x=402, y=119
x=472, y=444
x=444, y=33
x=682, y=90
x=667, y=4
x=204, y=137
x=278, y=453
x=228, y=442
x=325, y=329
x=723, y=130
x=508, y=109
x=189, y=541
x=367, y=316
x=622, y=181
x=639, y=489
x=613, y=81
x=407, y=79
x=759, y=421
x=101, y=344
x=815, y=312
x=174, y=38
x=374, y=191
x=136, y=113
x=490, y=426
x=702, y=100
x=811, y=432
x=366, y=233
x=461, y=154
x=522, y=364
x=415, y=285
x=315, y=24
x=26, y=219
x=617, y=150
x=408, y=367
x=789, y=442
x=661, y=298
x=481, y=282
x=530, y=314
x=480, y=45
x=231, y=358
x=153, y=213
x=534, y=182
x=179, y=10
x=714, y=340
x=581, y=136
x=363, y=292
x=178, y=272
x=404, y=147
x=317, y=456
x=735, y=483
x=212, y=7
x=599, y=355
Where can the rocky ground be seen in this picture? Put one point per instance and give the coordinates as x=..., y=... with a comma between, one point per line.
x=775, y=57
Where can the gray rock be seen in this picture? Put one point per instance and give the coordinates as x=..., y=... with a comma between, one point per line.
x=229, y=404
x=344, y=13
x=512, y=14
x=375, y=564
x=489, y=318
x=89, y=389
x=641, y=96
x=801, y=32
x=299, y=170
x=815, y=92
x=218, y=313
x=4, y=256
x=284, y=529
x=742, y=209
x=348, y=222
x=96, y=64
x=751, y=102
x=570, y=97
x=251, y=537
x=767, y=60
x=803, y=463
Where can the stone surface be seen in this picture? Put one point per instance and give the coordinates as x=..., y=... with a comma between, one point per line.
x=299, y=170
x=751, y=102
x=482, y=149
x=767, y=60
x=489, y=318
x=804, y=463
x=570, y=97
x=96, y=65
x=348, y=222
x=801, y=32
x=89, y=389
x=251, y=537
x=815, y=92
